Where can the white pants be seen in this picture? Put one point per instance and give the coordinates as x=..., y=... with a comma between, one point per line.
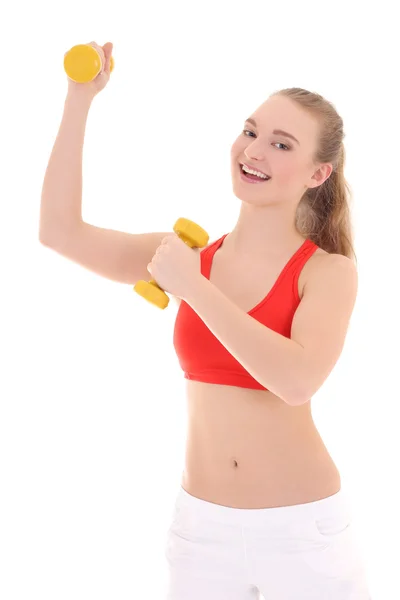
x=301, y=552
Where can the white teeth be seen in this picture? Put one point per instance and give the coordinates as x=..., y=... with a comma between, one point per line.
x=247, y=170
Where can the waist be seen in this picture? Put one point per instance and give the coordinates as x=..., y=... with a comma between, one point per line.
x=272, y=516
x=249, y=448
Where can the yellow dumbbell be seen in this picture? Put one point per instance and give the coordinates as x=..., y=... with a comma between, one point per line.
x=194, y=236
x=83, y=63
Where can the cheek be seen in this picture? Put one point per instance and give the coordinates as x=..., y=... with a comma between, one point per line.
x=235, y=154
x=287, y=171
x=237, y=148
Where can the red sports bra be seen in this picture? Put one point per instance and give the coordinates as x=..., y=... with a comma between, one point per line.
x=201, y=355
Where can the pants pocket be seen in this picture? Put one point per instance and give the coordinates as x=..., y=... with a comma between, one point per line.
x=333, y=551
x=185, y=533
x=330, y=528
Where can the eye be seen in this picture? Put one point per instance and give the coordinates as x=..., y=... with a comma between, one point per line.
x=287, y=147
x=249, y=131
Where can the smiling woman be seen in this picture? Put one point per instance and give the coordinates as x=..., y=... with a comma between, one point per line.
x=261, y=506
x=270, y=318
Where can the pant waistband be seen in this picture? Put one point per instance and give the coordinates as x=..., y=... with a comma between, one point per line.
x=337, y=503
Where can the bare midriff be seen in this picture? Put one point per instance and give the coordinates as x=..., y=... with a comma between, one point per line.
x=249, y=449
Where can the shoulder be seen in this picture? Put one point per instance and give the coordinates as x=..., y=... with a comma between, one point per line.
x=333, y=272
x=323, y=267
x=324, y=262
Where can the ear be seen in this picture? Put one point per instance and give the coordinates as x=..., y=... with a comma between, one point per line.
x=320, y=175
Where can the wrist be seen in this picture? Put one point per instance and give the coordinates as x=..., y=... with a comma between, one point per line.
x=79, y=98
x=198, y=286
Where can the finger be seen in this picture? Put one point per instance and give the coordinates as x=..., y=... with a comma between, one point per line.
x=96, y=47
x=108, y=48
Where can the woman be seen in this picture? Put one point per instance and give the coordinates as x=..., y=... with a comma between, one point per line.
x=261, y=508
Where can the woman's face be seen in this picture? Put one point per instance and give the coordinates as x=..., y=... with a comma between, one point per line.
x=287, y=161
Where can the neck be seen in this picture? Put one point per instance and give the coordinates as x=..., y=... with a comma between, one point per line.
x=264, y=230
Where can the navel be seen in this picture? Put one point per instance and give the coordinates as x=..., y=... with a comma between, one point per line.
x=234, y=463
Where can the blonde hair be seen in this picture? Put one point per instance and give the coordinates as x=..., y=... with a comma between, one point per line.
x=323, y=214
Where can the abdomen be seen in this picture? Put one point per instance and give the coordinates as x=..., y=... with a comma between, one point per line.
x=249, y=449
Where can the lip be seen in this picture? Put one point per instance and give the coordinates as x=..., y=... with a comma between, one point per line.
x=254, y=168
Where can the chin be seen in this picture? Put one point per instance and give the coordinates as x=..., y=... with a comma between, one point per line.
x=251, y=199
x=248, y=193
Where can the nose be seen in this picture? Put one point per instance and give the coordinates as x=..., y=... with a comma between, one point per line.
x=254, y=151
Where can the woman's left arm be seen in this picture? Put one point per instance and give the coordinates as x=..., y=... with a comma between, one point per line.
x=292, y=369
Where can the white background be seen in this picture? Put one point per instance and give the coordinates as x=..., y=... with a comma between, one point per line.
x=92, y=406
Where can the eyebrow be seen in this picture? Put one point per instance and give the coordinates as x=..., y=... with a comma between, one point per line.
x=275, y=131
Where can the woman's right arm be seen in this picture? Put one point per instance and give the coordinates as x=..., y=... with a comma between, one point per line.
x=119, y=256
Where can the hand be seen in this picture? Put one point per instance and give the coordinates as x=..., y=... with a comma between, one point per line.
x=176, y=267
x=95, y=86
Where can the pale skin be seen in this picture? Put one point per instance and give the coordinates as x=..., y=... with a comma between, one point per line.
x=245, y=448
x=234, y=433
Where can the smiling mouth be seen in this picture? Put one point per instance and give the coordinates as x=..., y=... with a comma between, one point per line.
x=252, y=178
